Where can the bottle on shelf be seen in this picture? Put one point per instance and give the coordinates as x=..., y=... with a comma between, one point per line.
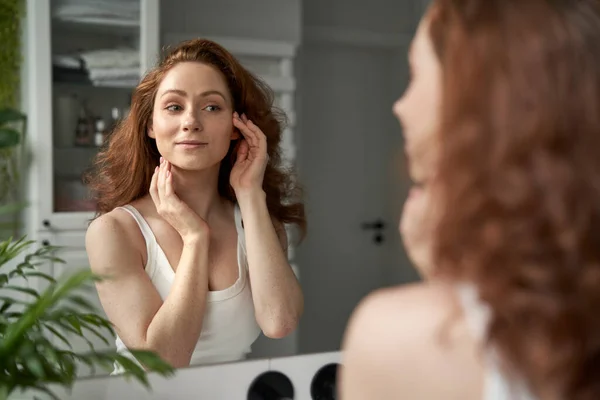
x=115, y=115
x=99, y=134
x=83, y=130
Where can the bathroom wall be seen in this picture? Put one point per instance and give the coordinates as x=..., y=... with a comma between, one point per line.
x=256, y=19
x=351, y=67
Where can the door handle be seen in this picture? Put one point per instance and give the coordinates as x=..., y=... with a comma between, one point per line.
x=376, y=225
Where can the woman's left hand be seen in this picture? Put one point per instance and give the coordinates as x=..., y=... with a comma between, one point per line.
x=249, y=169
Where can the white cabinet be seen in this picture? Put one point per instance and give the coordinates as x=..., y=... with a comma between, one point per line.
x=81, y=63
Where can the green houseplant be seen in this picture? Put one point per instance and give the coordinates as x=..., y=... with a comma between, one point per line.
x=35, y=352
x=12, y=137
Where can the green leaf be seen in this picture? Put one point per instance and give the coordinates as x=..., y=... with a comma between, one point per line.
x=153, y=361
x=9, y=137
x=82, y=302
x=4, y=391
x=59, y=335
x=11, y=115
x=133, y=368
x=35, y=366
x=42, y=275
x=25, y=290
x=43, y=389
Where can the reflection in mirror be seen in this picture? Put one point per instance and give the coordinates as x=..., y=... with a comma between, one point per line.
x=229, y=303
x=271, y=385
x=193, y=234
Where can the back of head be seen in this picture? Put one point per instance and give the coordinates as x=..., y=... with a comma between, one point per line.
x=123, y=168
x=519, y=179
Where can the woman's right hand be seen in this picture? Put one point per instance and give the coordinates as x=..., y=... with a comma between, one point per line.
x=176, y=212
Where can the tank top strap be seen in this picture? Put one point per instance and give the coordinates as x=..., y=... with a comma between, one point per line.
x=477, y=314
x=149, y=237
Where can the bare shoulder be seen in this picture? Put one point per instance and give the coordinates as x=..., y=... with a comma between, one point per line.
x=400, y=314
x=399, y=339
x=110, y=234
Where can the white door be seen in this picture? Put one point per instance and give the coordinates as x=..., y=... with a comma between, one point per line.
x=351, y=163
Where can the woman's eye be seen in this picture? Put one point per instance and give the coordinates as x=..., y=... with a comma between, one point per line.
x=173, y=107
x=212, y=108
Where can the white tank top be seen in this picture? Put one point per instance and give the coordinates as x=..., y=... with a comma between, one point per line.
x=229, y=326
x=496, y=385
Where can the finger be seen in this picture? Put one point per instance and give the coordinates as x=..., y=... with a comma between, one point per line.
x=242, y=152
x=161, y=180
x=248, y=134
x=169, y=191
x=154, y=188
x=260, y=135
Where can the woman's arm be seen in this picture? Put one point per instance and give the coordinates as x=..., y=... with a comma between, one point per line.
x=131, y=302
x=276, y=293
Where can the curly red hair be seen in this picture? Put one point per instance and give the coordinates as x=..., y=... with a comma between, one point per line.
x=123, y=169
x=519, y=179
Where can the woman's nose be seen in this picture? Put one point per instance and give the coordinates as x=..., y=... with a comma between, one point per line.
x=191, y=123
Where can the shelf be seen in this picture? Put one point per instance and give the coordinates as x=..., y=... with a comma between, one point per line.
x=108, y=26
x=111, y=85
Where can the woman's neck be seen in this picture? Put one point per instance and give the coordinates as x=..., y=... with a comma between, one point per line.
x=199, y=190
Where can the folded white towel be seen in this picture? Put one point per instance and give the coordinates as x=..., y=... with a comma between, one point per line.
x=129, y=10
x=72, y=62
x=113, y=73
x=111, y=58
x=117, y=83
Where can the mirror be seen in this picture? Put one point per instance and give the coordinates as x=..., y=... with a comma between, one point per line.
x=336, y=78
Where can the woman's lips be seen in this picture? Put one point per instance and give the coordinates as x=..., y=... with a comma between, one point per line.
x=192, y=144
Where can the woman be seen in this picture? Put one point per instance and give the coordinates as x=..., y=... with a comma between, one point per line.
x=192, y=204
x=502, y=127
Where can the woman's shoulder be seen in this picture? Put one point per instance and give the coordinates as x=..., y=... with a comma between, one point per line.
x=399, y=339
x=401, y=312
x=117, y=230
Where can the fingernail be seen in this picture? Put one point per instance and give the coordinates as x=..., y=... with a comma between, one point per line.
x=161, y=160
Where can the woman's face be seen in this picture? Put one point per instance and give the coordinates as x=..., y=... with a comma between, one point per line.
x=418, y=111
x=192, y=116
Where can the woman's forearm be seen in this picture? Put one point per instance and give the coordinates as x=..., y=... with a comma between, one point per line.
x=276, y=293
x=175, y=329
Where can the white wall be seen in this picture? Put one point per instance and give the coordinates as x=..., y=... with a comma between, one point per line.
x=387, y=25
x=381, y=16
x=256, y=19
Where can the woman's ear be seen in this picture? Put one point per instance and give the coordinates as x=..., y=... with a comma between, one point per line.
x=235, y=134
x=150, y=132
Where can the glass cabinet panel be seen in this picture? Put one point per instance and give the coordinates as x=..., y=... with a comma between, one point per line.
x=95, y=48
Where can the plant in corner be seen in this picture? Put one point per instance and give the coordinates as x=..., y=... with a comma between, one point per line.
x=35, y=351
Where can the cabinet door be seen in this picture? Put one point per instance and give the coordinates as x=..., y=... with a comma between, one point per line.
x=83, y=63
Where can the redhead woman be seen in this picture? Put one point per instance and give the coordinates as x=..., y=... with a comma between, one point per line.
x=502, y=128
x=192, y=204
